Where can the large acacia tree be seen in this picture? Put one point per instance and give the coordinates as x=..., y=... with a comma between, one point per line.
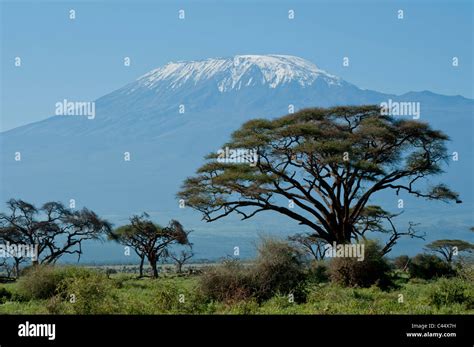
x=320, y=167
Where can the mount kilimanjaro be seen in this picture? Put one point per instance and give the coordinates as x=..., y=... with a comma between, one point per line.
x=169, y=118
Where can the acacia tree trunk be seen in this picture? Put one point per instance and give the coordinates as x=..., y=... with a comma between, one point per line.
x=142, y=260
x=17, y=268
x=153, y=261
x=449, y=257
x=341, y=234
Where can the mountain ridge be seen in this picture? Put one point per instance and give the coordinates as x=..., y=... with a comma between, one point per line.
x=274, y=70
x=299, y=83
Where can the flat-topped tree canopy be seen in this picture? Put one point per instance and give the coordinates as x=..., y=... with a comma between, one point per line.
x=449, y=248
x=328, y=162
x=149, y=239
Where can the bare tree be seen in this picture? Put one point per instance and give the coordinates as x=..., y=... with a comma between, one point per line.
x=180, y=258
x=311, y=244
x=54, y=229
x=8, y=267
x=11, y=264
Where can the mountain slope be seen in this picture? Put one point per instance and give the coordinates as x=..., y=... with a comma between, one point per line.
x=67, y=157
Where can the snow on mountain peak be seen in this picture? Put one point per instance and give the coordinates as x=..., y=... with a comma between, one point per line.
x=237, y=72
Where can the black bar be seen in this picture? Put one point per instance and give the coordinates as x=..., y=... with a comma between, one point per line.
x=334, y=330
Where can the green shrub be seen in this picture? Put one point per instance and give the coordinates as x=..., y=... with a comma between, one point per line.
x=465, y=270
x=351, y=272
x=170, y=297
x=278, y=303
x=416, y=280
x=452, y=291
x=39, y=282
x=166, y=296
x=318, y=272
x=43, y=281
x=5, y=295
x=90, y=293
x=242, y=307
x=57, y=305
x=228, y=282
x=279, y=269
x=428, y=266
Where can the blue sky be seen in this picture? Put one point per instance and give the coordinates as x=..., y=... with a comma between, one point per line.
x=83, y=59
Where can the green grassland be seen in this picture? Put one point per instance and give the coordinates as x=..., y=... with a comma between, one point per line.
x=181, y=294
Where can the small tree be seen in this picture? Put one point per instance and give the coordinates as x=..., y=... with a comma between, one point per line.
x=311, y=244
x=7, y=267
x=11, y=264
x=449, y=248
x=402, y=262
x=180, y=258
x=131, y=240
x=150, y=240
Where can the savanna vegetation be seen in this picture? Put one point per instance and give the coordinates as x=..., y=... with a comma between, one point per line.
x=319, y=167
x=281, y=280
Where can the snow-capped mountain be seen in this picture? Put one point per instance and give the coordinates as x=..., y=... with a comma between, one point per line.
x=244, y=83
x=235, y=73
x=169, y=118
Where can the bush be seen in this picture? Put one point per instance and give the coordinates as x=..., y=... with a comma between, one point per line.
x=45, y=281
x=318, y=272
x=170, y=297
x=166, y=296
x=402, y=262
x=57, y=305
x=228, y=282
x=465, y=269
x=90, y=293
x=279, y=270
x=428, y=266
x=452, y=291
x=5, y=295
x=354, y=273
x=39, y=282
